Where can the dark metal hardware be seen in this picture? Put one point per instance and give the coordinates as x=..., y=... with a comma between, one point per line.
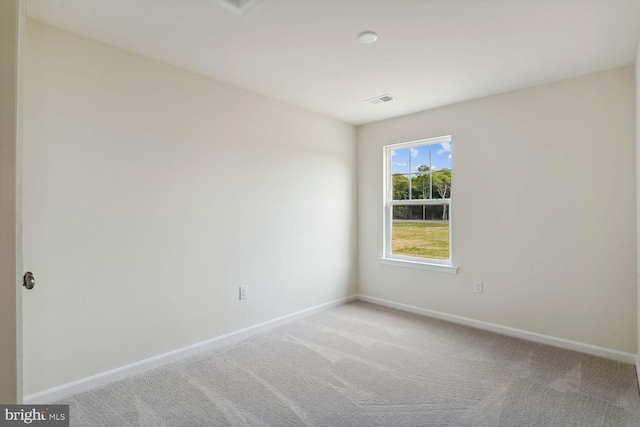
x=28, y=281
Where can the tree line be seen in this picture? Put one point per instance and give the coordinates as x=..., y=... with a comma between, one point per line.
x=424, y=184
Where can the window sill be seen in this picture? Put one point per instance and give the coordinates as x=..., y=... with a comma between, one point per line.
x=421, y=265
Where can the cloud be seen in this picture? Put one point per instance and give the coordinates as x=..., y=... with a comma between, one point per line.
x=446, y=148
x=414, y=152
x=449, y=156
x=399, y=164
x=393, y=153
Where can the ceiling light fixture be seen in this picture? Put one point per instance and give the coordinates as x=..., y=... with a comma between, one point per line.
x=367, y=37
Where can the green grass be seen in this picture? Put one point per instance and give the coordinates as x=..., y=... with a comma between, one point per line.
x=421, y=239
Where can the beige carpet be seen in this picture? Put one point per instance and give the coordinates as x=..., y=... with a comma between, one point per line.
x=364, y=365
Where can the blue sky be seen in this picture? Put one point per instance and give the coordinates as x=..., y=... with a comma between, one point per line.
x=416, y=156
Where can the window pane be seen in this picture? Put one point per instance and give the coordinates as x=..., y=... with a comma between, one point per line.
x=441, y=184
x=441, y=160
x=421, y=231
x=421, y=185
x=441, y=155
x=400, y=160
x=400, y=184
x=420, y=158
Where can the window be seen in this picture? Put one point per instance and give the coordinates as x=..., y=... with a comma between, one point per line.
x=417, y=208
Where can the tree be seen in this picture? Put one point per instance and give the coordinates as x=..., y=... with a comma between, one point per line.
x=423, y=185
x=423, y=181
x=442, y=182
x=400, y=187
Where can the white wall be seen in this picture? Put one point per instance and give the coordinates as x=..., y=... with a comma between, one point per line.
x=638, y=200
x=11, y=15
x=151, y=193
x=543, y=210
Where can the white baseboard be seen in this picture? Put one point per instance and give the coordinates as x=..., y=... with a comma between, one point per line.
x=104, y=378
x=616, y=355
x=638, y=370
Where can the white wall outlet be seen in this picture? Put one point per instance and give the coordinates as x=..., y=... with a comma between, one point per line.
x=244, y=292
x=477, y=286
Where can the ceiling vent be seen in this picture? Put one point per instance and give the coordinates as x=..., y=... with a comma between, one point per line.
x=380, y=99
x=240, y=8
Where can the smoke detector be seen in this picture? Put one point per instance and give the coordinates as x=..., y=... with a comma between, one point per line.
x=240, y=8
x=381, y=99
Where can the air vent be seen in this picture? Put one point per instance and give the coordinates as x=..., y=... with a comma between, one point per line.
x=380, y=99
x=240, y=8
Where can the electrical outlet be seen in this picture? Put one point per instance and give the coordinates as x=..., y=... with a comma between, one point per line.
x=244, y=292
x=477, y=286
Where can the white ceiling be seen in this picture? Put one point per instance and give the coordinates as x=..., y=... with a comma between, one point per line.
x=429, y=53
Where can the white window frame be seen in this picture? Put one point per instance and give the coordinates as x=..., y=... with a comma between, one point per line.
x=389, y=203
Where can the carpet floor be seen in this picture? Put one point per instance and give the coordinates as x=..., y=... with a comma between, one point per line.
x=364, y=365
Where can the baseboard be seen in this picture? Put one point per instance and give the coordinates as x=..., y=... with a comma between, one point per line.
x=638, y=370
x=104, y=378
x=616, y=355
